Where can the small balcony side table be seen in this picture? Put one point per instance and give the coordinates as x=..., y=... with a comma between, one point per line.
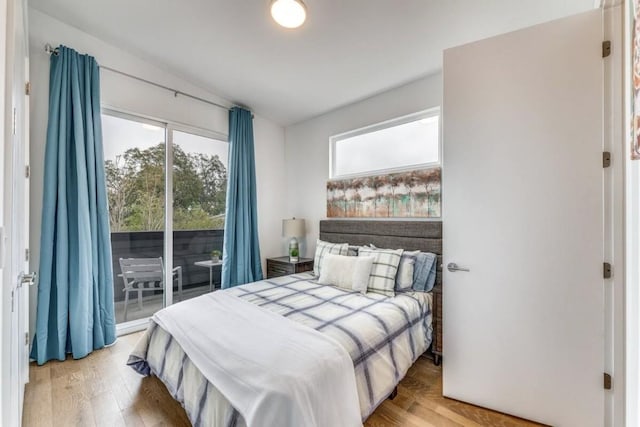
x=209, y=264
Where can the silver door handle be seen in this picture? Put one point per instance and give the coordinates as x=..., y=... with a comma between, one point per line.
x=27, y=279
x=452, y=267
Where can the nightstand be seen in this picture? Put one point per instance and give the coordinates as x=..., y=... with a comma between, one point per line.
x=281, y=266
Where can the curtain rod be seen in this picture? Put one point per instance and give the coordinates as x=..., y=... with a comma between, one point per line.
x=54, y=51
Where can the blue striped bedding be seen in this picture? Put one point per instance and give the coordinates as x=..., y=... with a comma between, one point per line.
x=383, y=335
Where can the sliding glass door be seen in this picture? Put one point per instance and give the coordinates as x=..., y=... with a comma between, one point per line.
x=165, y=228
x=199, y=196
x=135, y=171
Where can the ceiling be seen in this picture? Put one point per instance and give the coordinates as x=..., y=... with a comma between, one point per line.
x=345, y=52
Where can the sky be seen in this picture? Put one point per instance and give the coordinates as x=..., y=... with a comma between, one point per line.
x=119, y=134
x=408, y=144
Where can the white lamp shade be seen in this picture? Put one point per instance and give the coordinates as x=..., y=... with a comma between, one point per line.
x=289, y=13
x=293, y=227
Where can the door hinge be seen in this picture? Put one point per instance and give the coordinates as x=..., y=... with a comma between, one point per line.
x=26, y=338
x=606, y=159
x=607, y=381
x=606, y=48
x=12, y=297
x=606, y=270
x=27, y=171
x=27, y=88
x=26, y=254
x=14, y=121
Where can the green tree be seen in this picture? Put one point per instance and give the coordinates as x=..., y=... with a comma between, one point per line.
x=120, y=191
x=148, y=183
x=213, y=175
x=136, y=190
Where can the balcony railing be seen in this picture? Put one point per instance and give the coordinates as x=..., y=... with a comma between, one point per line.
x=188, y=247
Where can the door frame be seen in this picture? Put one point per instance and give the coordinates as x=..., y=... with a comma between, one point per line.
x=614, y=205
x=628, y=311
x=5, y=290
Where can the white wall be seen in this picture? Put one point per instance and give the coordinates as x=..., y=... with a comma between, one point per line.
x=630, y=312
x=136, y=97
x=307, y=145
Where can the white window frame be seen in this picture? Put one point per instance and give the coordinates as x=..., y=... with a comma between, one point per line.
x=420, y=115
x=162, y=123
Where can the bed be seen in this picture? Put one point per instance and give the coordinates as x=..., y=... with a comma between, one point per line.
x=383, y=336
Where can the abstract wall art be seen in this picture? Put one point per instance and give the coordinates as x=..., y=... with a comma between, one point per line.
x=414, y=194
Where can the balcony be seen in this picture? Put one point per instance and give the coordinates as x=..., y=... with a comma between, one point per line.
x=189, y=247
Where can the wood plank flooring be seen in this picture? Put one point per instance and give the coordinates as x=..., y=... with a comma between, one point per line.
x=100, y=390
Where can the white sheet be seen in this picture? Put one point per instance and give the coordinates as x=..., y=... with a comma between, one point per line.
x=264, y=382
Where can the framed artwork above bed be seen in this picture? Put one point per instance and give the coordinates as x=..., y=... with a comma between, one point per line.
x=410, y=194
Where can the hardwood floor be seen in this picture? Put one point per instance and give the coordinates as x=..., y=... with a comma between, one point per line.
x=100, y=390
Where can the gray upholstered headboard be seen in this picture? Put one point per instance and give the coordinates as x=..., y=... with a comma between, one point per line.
x=409, y=235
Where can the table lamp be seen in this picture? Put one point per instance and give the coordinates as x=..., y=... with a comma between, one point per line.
x=293, y=228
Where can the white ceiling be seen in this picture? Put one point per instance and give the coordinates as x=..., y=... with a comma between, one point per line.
x=346, y=51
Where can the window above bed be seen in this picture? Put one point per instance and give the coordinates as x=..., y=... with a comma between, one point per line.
x=404, y=143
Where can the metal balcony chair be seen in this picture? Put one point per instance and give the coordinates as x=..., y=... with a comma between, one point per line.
x=145, y=275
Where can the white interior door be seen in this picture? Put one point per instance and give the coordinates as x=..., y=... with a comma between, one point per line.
x=523, y=210
x=17, y=213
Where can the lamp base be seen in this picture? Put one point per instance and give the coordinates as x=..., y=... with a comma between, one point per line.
x=294, y=251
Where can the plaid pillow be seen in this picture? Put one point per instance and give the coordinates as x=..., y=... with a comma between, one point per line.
x=324, y=248
x=382, y=279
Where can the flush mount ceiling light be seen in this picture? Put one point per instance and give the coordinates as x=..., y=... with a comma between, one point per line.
x=289, y=13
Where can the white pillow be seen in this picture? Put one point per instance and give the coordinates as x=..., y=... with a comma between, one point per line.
x=347, y=272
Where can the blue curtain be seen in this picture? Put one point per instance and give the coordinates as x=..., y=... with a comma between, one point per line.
x=241, y=252
x=75, y=292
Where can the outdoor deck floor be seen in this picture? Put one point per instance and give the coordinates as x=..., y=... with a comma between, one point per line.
x=152, y=303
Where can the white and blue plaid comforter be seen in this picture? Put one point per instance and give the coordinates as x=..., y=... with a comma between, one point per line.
x=384, y=336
